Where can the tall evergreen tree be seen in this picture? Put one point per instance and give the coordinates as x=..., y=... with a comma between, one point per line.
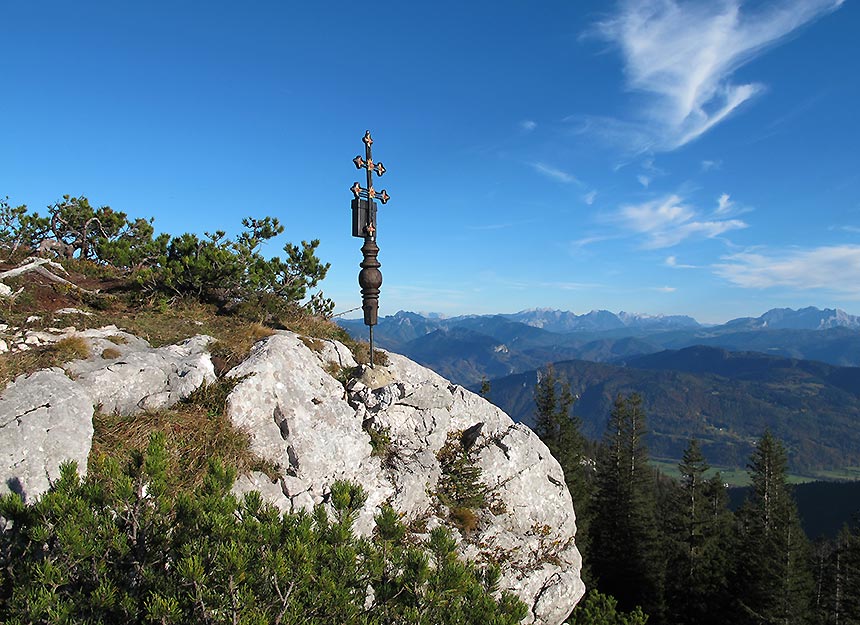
x=625, y=554
x=560, y=431
x=773, y=578
x=837, y=580
x=698, y=570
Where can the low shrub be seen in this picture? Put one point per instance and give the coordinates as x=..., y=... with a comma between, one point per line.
x=123, y=546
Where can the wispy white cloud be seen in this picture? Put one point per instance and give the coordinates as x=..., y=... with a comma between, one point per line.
x=580, y=243
x=834, y=268
x=682, y=55
x=724, y=204
x=851, y=229
x=672, y=261
x=664, y=289
x=589, y=197
x=727, y=207
x=667, y=221
x=555, y=173
x=643, y=180
x=528, y=125
x=708, y=165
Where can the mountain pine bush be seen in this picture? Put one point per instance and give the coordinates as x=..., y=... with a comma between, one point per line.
x=123, y=546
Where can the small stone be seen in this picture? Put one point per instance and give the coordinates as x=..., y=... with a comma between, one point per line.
x=5, y=290
x=376, y=377
x=22, y=347
x=32, y=339
x=33, y=318
x=355, y=386
x=72, y=311
x=4, y=327
x=3, y=347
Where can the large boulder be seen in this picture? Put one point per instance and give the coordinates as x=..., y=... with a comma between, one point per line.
x=300, y=416
x=45, y=419
x=135, y=377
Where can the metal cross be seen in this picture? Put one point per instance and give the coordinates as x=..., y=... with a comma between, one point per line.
x=363, y=216
x=368, y=192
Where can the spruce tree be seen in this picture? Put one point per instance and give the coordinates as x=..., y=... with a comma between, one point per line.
x=626, y=558
x=560, y=431
x=837, y=579
x=700, y=544
x=773, y=578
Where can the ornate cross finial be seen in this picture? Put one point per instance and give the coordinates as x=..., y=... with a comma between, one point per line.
x=367, y=163
x=364, y=226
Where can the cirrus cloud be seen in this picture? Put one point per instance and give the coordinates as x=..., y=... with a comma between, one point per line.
x=834, y=268
x=667, y=221
x=681, y=57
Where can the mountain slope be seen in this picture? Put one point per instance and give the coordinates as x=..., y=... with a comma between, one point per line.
x=726, y=400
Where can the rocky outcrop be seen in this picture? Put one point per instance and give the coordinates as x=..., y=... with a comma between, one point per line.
x=303, y=418
x=135, y=377
x=387, y=428
x=46, y=417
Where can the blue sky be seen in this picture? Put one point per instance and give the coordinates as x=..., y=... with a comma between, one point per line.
x=695, y=157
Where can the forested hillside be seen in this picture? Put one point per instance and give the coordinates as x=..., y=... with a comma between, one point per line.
x=676, y=548
x=726, y=399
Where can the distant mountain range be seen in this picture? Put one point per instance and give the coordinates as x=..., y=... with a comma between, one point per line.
x=465, y=349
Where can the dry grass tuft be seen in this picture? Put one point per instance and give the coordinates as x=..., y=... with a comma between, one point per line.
x=71, y=348
x=196, y=431
x=361, y=351
x=117, y=339
x=192, y=437
x=13, y=365
x=257, y=331
x=44, y=357
x=464, y=519
x=315, y=345
x=110, y=353
x=300, y=322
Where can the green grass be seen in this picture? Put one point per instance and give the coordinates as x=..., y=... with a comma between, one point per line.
x=738, y=476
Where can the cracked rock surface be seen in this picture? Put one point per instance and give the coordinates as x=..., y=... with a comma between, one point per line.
x=140, y=377
x=45, y=418
x=301, y=417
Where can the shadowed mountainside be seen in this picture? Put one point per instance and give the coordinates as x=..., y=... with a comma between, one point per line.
x=723, y=398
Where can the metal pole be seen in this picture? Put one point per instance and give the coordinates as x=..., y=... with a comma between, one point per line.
x=369, y=278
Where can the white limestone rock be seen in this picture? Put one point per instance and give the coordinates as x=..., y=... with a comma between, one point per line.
x=302, y=418
x=298, y=417
x=45, y=419
x=142, y=378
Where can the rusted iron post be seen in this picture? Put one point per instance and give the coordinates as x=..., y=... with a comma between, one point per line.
x=364, y=226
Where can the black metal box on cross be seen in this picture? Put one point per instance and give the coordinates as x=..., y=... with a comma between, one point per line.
x=363, y=213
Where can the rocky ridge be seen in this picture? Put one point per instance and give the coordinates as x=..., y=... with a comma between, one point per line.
x=301, y=416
